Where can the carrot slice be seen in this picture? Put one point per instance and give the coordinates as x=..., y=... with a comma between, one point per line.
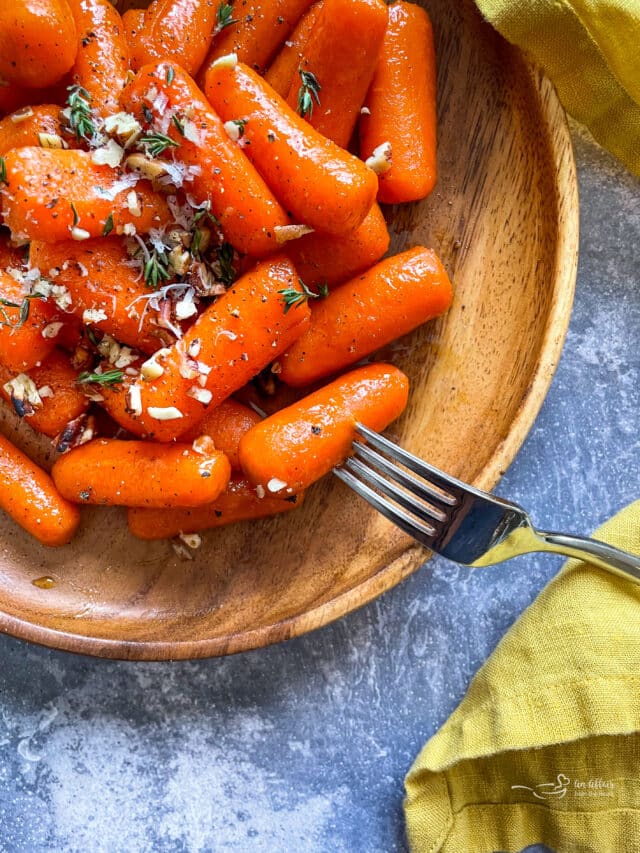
x=296, y=446
x=322, y=185
x=102, y=61
x=220, y=173
x=106, y=292
x=341, y=53
x=325, y=259
x=37, y=41
x=53, y=195
x=256, y=30
x=140, y=473
x=50, y=412
x=239, y=502
x=285, y=66
x=235, y=338
x=179, y=30
x=226, y=424
x=402, y=106
x=29, y=496
x=391, y=299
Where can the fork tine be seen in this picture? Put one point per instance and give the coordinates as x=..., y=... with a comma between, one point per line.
x=419, y=487
x=434, y=475
x=405, y=499
x=424, y=533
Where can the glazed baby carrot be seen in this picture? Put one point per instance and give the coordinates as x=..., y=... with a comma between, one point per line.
x=27, y=323
x=106, y=291
x=179, y=30
x=139, y=473
x=39, y=125
x=254, y=30
x=296, y=446
x=102, y=61
x=341, y=55
x=238, y=502
x=37, y=41
x=220, y=173
x=402, y=106
x=285, y=66
x=29, y=496
x=235, y=338
x=48, y=397
x=325, y=259
x=54, y=195
x=392, y=298
x=133, y=22
x=225, y=424
x=322, y=185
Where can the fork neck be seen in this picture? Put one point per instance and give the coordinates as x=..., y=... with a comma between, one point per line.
x=592, y=551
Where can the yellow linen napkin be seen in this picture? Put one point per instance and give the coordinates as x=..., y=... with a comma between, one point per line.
x=591, y=51
x=545, y=746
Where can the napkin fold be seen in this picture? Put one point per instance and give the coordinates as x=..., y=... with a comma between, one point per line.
x=591, y=51
x=545, y=746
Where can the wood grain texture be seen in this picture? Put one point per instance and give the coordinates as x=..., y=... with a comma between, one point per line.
x=504, y=219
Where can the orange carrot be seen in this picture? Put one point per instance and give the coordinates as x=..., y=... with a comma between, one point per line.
x=239, y=502
x=226, y=424
x=140, y=473
x=325, y=259
x=38, y=125
x=106, y=292
x=133, y=22
x=179, y=30
x=285, y=66
x=29, y=496
x=256, y=30
x=53, y=195
x=296, y=446
x=394, y=297
x=322, y=185
x=27, y=323
x=102, y=61
x=37, y=41
x=402, y=106
x=235, y=338
x=341, y=53
x=246, y=209
x=57, y=400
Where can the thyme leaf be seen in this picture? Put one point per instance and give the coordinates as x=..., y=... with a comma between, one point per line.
x=223, y=16
x=80, y=120
x=308, y=92
x=109, y=377
x=156, y=143
x=291, y=296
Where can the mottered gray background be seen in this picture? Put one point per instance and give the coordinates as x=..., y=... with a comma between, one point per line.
x=304, y=746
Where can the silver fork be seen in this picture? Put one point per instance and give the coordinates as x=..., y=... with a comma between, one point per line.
x=455, y=520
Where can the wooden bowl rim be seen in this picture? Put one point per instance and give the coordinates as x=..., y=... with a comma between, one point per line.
x=558, y=137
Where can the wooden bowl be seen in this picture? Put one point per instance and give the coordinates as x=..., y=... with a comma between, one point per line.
x=504, y=219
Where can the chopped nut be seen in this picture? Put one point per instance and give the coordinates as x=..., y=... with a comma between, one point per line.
x=202, y=395
x=78, y=431
x=51, y=330
x=276, y=485
x=380, y=160
x=50, y=140
x=133, y=401
x=164, y=413
x=284, y=233
x=204, y=445
x=110, y=154
x=133, y=203
x=21, y=115
x=79, y=233
x=179, y=260
x=191, y=540
x=229, y=60
x=150, y=369
x=24, y=395
x=150, y=169
x=260, y=492
x=365, y=111
x=124, y=126
x=93, y=315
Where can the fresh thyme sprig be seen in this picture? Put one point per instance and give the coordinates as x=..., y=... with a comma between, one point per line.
x=223, y=16
x=108, y=225
x=23, y=314
x=308, y=92
x=156, y=269
x=80, y=120
x=156, y=143
x=3, y=171
x=291, y=296
x=179, y=124
x=109, y=377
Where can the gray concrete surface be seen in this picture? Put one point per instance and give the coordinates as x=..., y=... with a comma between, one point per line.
x=304, y=746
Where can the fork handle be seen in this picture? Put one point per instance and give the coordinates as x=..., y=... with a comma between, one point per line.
x=592, y=551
